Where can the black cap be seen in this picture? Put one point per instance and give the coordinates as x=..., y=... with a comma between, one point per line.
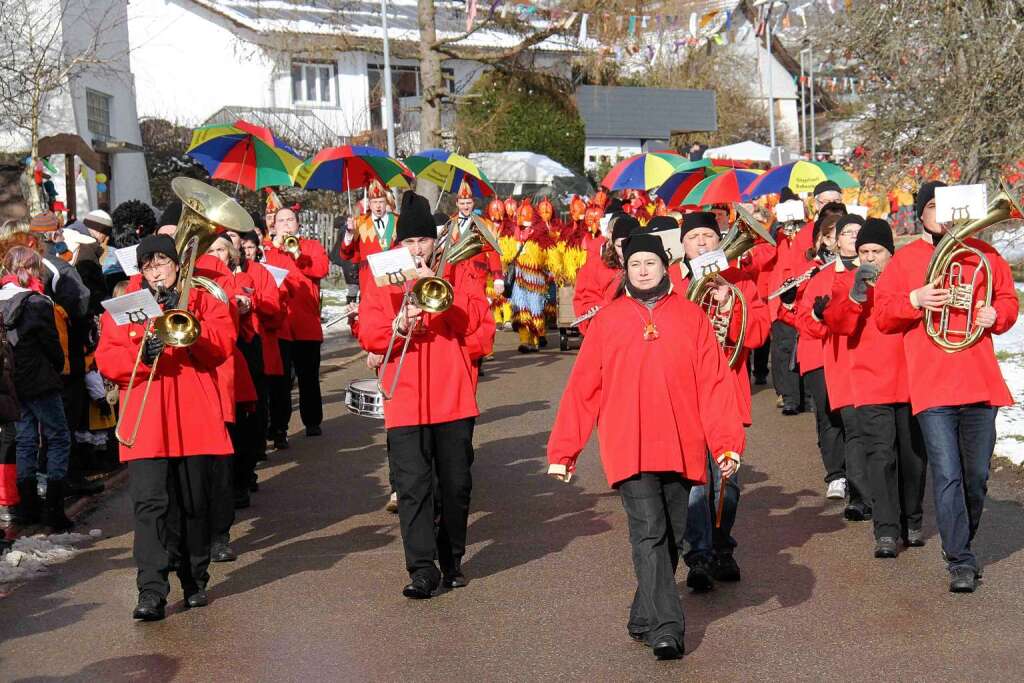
x=846, y=220
x=440, y=219
x=925, y=194
x=156, y=244
x=827, y=186
x=614, y=205
x=700, y=219
x=644, y=241
x=876, y=231
x=787, y=195
x=415, y=219
x=171, y=215
x=623, y=225
x=661, y=224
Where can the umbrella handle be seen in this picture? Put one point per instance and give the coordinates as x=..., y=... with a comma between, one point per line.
x=349, y=192
x=447, y=182
x=241, y=169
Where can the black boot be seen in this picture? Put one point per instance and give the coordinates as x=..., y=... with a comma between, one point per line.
x=29, y=507
x=55, y=517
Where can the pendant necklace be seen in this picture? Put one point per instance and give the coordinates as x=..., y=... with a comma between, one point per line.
x=650, y=330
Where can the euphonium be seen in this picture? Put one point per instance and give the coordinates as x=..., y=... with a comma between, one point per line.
x=946, y=271
x=204, y=210
x=741, y=238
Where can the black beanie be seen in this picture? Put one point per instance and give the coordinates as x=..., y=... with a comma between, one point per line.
x=876, y=231
x=787, y=195
x=700, y=219
x=156, y=244
x=661, y=224
x=846, y=220
x=925, y=194
x=415, y=219
x=440, y=219
x=614, y=205
x=171, y=215
x=644, y=241
x=827, y=186
x=623, y=226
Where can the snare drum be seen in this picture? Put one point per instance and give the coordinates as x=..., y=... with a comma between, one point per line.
x=362, y=397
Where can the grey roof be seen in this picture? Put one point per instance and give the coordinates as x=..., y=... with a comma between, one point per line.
x=620, y=112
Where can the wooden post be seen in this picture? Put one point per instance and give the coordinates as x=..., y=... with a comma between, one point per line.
x=70, y=181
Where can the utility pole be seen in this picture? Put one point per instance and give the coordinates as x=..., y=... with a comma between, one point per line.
x=389, y=116
x=771, y=80
x=810, y=67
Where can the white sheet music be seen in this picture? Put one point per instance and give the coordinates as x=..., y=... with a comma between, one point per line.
x=129, y=259
x=392, y=266
x=134, y=307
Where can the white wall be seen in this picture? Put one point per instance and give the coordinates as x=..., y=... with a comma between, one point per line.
x=785, y=91
x=613, y=148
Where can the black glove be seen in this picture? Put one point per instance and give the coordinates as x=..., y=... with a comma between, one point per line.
x=865, y=274
x=820, y=302
x=789, y=296
x=168, y=298
x=151, y=348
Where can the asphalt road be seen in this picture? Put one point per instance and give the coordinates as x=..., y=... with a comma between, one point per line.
x=316, y=592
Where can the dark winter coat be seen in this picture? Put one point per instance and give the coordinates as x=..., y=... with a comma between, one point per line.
x=32, y=332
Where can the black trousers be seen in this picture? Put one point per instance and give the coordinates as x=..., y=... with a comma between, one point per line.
x=222, y=497
x=306, y=359
x=254, y=422
x=416, y=455
x=857, y=485
x=656, y=503
x=784, y=371
x=897, y=466
x=170, y=505
x=760, y=356
x=830, y=427
x=279, y=392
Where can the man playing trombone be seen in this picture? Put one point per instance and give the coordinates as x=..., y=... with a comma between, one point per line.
x=430, y=412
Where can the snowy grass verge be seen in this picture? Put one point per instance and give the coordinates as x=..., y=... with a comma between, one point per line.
x=30, y=556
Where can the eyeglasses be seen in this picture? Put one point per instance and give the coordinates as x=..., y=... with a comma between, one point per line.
x=849, y=233
x=156, y=263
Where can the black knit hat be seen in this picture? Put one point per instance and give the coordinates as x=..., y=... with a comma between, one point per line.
x=925, y=194
x=614, y=205
x=644, y=241
x=846, y=220
x=415, y=219
x=171, y=215
x=440, y=219
x=623, y=225
x=700, y=219
x=876, y=231
x=827, y=186
x=661, y=224
x=787, y=195
x=156, y=244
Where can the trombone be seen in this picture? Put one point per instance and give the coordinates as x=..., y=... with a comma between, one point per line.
x=433, y=294
x=204, y=208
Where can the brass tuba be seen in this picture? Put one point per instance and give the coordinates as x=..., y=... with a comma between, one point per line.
x=740, y=239
x=204, y=211
x=946, y=270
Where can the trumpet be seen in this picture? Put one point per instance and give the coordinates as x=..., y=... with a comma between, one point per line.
x=290, y=243
x=203, y=209
x=433, y=294
x=741, y=238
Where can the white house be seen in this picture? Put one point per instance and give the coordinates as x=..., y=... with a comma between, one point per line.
x=97, y=106
x=311, y=72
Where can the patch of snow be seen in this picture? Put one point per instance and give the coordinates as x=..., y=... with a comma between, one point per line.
x=1010, y=421
x=30, y=556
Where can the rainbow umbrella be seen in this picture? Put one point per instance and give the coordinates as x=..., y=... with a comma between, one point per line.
x=679, y=184
x=349, y=167
x=723, y=188
x=447, y=170
x=800, y=176
x=245, y=154
x=649, y=170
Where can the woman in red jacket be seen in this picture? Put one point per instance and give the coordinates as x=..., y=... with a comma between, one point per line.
x=430, y=416
x=651, y=343
x=169, y=463
x=955, y=396
x=877, y=373
x=601, y=275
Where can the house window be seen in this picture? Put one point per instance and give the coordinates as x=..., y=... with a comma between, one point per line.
x=313, y=83
x=405, y=83
x=97, y=106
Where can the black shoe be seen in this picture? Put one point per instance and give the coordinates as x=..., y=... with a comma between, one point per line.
x=523, y=348
x=242, y=499
x=885, y=548
x=760, y=381
x=454, y=578
x=199, y=598
x=222, y=553
x=914, y=538
x=857, y=512
x=790, y=410
x=726, y=569
x=666, y=647
x=638, y=636
x=80, y=486
x=281, y=442
x=314, y=431
x=419, y=588
x=699, y=578
x=962, y=580
x=54, y=516
x=542, y=342
x=30, y=506
x=150, y=607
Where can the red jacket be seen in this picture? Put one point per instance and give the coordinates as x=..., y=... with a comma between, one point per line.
x=758, y=328
x=831, y=351
x=596, y=284
x=809, y=344
x=268, y=315
x=935, y=377
x=306, y=272
x=878, y=370
x=436, y=384
x=183, y=413
x=659, y=405
x=212, y=267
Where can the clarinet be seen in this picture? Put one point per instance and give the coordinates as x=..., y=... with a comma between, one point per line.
x=800, y=279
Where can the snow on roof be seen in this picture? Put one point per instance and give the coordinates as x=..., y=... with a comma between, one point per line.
x=520, y=166
x=360, y=19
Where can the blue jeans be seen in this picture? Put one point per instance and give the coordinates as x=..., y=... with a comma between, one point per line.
x=704, y=540
x=959, y=441
x=46, y=412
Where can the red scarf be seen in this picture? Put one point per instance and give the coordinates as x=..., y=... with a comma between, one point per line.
x=34, y=283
